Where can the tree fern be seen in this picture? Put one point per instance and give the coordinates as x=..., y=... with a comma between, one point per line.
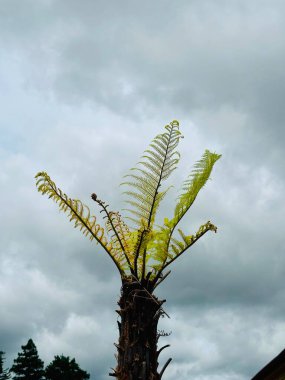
x=131, y=248
x=141, y=252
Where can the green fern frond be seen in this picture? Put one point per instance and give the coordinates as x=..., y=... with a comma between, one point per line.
x=156, y=165
x=177, y=247
x=165, y=246
x=80, y=215
x=158, y=246
x=194, y=183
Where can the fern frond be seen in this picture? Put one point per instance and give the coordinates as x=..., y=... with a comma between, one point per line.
x=177, y=247
x=158, y=247
x=118, y=233
x=80, y=215
x=144, y=197
x=140, y=251
x=165, y=246
x=122, y=237
x=190, y=189
x=157, y=164
x=194, y=183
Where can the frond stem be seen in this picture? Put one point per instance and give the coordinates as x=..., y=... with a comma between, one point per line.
x=138, y=252
x=159, y=180
x=162, y=279
x=143, y=267
x=104, y=207
x=156, y=193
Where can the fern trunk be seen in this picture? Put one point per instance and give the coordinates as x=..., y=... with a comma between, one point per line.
x=137, y=348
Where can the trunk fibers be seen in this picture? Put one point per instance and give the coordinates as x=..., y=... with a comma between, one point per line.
x=138, y=336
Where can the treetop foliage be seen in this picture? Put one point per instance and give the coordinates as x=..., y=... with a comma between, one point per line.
x=28, y=365
x=64, y=368
x=142, y=249
x=4, y=373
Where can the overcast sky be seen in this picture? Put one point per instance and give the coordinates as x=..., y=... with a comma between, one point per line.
x=84, y=87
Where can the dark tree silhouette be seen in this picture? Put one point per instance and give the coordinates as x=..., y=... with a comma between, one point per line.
x=28, y=365
x=143, y=250
x=4, y=373
x=62, y=368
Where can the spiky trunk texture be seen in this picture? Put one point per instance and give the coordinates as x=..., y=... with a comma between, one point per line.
x=138, y=335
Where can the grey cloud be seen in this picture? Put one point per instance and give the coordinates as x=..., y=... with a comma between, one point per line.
x=84, y=87
x=191, y=56
x=199, y=59
x=202, y=345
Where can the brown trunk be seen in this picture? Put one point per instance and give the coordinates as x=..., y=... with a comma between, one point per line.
x=137, y=348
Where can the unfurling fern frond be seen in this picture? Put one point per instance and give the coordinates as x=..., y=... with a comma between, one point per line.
x=157, y=164
x=80, y=214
